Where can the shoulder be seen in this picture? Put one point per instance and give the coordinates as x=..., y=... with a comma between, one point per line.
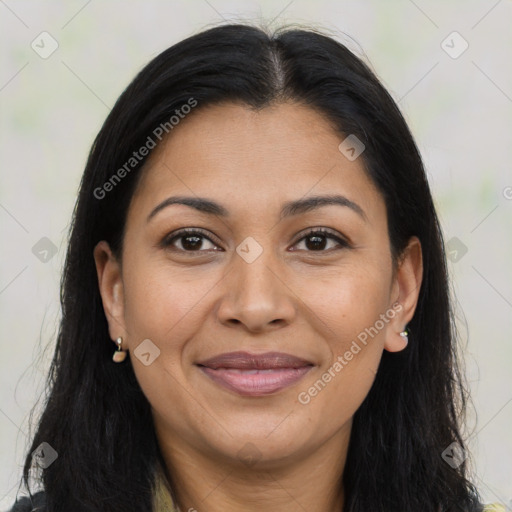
x=25, y=504
x=495, y=507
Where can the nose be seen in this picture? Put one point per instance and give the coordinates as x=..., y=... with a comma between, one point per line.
x=256, y=295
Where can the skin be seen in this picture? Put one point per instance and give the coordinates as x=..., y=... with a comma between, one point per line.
x=295, y=297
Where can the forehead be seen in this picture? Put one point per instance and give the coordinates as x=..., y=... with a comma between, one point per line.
x=254, y=159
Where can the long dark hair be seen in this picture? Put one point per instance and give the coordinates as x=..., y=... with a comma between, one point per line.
x=96, y=416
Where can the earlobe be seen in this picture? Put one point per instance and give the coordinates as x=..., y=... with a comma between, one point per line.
x=396, y=342
x=407, y=286
x=111, y=288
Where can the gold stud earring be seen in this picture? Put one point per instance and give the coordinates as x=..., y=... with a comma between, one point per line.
x=405, y=334
x=119, y=355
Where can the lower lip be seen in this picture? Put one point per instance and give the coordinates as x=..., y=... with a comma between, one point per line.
x=256, y=382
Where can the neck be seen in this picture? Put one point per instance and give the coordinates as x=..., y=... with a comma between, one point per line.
x=312, y=482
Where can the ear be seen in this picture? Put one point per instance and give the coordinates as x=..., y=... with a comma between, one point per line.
x=111, y=288
x=405, y=290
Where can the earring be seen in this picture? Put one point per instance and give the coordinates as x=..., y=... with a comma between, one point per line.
x=405, y=334
x=119, y=355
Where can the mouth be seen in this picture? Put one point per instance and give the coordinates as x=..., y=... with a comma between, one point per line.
x=255, y=374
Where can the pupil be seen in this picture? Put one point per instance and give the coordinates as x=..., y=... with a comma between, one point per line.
x=318, y=240
x=313, y=242
x=194, y=245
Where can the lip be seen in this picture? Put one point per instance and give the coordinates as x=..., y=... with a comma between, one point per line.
x=255, y=374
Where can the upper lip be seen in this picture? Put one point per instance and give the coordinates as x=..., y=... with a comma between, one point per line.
x=247, y=361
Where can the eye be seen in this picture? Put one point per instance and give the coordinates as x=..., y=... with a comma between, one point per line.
x=191, y=240
x=316, y=240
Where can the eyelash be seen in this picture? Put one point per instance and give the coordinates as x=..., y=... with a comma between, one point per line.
x=186, y=232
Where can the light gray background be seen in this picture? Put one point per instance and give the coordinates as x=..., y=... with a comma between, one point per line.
x=459, y=109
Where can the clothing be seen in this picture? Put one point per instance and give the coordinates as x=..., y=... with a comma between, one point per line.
x=162, y=501
x=24, y=504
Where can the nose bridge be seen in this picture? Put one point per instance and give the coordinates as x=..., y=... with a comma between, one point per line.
x=256, y=269
x=255, y=294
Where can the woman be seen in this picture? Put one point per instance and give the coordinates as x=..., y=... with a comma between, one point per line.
x=256, y=238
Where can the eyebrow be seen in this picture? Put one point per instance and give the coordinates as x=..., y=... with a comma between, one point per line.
x=289, y=208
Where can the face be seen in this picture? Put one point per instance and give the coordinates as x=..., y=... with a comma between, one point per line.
x=267, y=319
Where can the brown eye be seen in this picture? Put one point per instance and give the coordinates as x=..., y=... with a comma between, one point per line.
x=191, y=240
x=317, y=241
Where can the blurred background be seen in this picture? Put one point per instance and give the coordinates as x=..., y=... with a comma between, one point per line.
x=447, y=64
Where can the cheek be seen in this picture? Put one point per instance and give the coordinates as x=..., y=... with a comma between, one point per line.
x=349, y=301
x=160, y=302
x=348, y=309
x=348, y=312
x=164, y=308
